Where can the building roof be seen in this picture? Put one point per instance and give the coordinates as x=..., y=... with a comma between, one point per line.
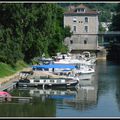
x=81, y=6
x=87, y=11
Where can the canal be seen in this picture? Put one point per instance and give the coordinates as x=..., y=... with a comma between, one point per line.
x=97, y=97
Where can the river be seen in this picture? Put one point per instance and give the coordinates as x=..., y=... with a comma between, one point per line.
x=97, y=97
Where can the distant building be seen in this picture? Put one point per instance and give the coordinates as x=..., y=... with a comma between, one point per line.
x=84, y=25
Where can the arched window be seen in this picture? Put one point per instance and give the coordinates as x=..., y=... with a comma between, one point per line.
x=74, y=19
x=86, y=19
x=71, y=41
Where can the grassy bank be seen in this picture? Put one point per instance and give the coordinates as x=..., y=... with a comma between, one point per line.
x=7, y=70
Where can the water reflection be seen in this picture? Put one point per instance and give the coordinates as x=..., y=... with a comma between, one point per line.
x=51, y=93
x=47, y=101
x=86, y=96
x=37, y=108
x=117, y=93
x=97, y=96
x=22, y=108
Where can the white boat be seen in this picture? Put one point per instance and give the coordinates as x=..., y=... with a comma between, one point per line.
x=85, y=70
x=88, y=56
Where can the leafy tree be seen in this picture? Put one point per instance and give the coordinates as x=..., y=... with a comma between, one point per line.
x=115, y=21
x=28, y=30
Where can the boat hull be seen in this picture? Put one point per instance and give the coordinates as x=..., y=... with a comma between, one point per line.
x=48, y=85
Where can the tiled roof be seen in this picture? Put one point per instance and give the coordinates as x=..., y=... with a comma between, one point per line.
x=87, y=11
x=81, y=6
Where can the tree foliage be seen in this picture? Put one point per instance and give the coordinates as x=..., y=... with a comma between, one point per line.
x=28, y=30
x=115, y=26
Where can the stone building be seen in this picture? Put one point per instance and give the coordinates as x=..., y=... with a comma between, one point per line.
x=83, y=23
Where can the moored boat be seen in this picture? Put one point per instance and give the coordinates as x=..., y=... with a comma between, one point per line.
x=39, y=81
x=5, y=96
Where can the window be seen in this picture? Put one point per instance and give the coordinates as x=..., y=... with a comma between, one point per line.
x=80, y=10
x=86, y=19
x=44, y=81
x=36, y=81
x=86, y=28
x=74, y=28
x=74, y=19
x=52, y=81
x=85, y=41
x=71, y=41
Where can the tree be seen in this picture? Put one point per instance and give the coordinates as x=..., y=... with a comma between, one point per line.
x=28, y=30
x=115, y=26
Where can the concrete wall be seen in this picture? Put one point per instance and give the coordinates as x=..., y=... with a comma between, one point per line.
x=82, y=42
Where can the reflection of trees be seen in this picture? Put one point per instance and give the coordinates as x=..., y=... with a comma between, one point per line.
x=101, y=76
x=118, y=87
x=108, y=76
x=37, y=108
x=16, y=92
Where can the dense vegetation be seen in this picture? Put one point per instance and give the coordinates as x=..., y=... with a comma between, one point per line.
x=114, y=49
x=28, y=30
x=116, y=20
x=7, y=70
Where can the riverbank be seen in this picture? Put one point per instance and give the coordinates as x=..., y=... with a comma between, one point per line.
x=15, y=76
x=7, y=69
x=8, y=72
